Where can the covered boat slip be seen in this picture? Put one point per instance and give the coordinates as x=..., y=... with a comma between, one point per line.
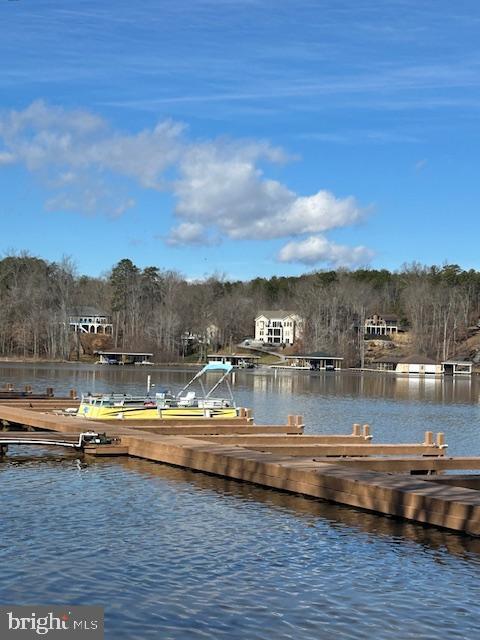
x=316, y=361
x=124, y=357
x=336, y=468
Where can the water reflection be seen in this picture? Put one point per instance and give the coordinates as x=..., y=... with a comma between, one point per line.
x=312, y=508
x=97, y=378
x=180, y=555
x=373, y=385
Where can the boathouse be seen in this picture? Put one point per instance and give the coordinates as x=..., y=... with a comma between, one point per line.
x=239, y=360
x=387, y=363
x=124, y=357
x=417, y=365
x=457, y=368
x=316, y=361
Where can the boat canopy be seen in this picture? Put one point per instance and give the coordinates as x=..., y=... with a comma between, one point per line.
x=224, y=369
x=215, y=366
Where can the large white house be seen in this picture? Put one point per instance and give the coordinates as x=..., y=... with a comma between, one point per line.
x=277, y=327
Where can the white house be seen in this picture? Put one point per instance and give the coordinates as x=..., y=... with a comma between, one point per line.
x=90, y=320
x=277, y=327
x=382, y=325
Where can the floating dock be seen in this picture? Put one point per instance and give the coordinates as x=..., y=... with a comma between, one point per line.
x=400, y=480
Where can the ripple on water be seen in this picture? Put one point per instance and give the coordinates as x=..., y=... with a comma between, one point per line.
x=190, y=556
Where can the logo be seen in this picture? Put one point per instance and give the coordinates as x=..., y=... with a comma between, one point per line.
x=57, y=622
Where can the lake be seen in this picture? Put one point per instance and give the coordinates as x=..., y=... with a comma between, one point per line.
x=174, y=554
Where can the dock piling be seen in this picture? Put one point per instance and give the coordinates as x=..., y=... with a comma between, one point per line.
x=428, y=438
x=441, y=441
x=366, y=432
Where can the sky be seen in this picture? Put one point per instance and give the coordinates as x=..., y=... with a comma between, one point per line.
x=240, y=137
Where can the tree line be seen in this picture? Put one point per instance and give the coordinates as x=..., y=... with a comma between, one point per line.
x=160, y=310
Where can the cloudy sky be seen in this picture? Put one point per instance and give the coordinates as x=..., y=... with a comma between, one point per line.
x=248, y=137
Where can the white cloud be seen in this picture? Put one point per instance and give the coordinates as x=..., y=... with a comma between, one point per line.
x=6, y=158
x=316, y=249
x=225, y=187
x=188, y=233
x=220, y=186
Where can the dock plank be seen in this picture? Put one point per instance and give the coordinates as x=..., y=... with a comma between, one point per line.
x=293, y=468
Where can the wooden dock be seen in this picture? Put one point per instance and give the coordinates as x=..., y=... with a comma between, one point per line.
x=392, y=479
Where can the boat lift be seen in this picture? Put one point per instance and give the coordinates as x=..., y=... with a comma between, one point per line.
x=27, y=438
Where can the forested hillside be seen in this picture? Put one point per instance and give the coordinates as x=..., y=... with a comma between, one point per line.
x=153, y=308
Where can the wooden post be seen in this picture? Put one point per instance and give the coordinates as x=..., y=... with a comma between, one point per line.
x=291, y=421
x=50, y=392
x=242, y=412
x=9, y=386
x=441, y=440
x=73, y=394
x=356, y=429
x=28, y=388
x=249, y=414
x=366, y=432
x=428, y=438
x=299, y=421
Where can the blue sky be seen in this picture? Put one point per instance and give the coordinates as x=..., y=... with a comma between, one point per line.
x=245, y=137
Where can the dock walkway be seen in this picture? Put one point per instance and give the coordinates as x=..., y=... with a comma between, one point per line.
x=346, y=469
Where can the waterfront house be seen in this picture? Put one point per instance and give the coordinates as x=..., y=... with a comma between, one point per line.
x=382, y=325
x=277, y=327
x=417, y=365
x=316, y=361
x=208, y=337
x=90, y=320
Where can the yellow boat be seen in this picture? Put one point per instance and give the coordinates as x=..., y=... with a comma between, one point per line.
x=163, y=406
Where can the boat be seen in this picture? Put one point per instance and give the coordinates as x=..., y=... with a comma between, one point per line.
x=164, y=405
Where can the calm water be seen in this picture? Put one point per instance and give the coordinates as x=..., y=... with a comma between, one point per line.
x=173, y=554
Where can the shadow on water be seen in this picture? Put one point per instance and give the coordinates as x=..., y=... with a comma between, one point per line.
x=302, y=506
x=337, y=515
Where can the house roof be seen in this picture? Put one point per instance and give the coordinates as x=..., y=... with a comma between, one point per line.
x=417, y=359
x=245, y=356
x=88, y=311
x=276, y=313
x=123, y=353
x=315, y=355
x=384, y=316
x=387, y=359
